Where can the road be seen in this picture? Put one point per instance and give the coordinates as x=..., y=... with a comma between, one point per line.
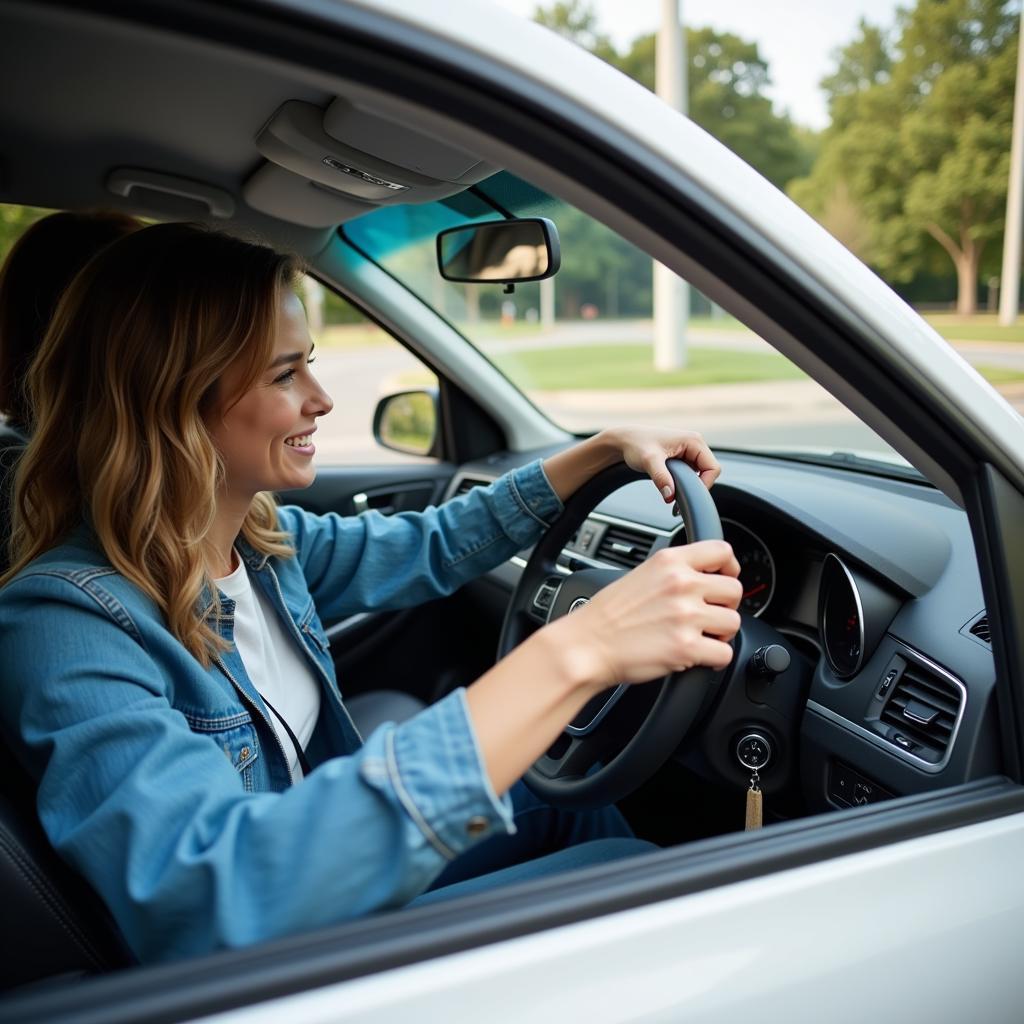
x=767, y=413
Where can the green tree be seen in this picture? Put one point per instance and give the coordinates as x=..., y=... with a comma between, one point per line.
x=576, y=20
x=726, y=83
x=727, y=79
x=13, y=221
x=864, y=63
x=600, y=268
x=920, y=139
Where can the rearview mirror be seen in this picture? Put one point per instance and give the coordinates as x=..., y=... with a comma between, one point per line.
x=499, y=251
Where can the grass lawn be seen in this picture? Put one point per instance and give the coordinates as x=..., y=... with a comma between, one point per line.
x=611, y=367
x=1000, y=374
x=630, y=366
x=353, y=336
x=980, y=327
x=493, y=330
x=363, y=335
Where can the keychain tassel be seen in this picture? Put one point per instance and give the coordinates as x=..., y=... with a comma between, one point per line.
x=753, y=806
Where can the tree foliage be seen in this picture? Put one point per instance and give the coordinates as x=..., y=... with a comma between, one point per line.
x=576, y=20
x=727, y=79
x=13, y=221
x=919, y=142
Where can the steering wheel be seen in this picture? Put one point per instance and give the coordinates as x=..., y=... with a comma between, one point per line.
x=572, y=774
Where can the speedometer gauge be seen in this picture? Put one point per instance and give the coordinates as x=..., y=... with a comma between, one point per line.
x=757, y=567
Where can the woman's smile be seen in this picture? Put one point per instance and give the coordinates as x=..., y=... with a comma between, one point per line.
x=302, y=444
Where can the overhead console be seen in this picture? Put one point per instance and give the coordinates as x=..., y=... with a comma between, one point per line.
x=327, y=166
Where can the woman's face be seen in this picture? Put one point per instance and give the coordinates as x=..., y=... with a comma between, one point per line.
x=266, y=437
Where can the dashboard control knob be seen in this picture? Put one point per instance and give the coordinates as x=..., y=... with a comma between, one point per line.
x=769, y=660
x=754, y=751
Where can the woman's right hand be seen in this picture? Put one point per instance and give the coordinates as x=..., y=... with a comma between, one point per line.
x=676, y=610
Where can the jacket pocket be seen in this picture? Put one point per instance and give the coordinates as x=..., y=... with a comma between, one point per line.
x=235, y=735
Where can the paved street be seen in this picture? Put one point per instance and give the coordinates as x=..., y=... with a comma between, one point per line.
x=767, y=413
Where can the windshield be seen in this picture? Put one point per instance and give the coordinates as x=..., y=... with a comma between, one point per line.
x=581, y=345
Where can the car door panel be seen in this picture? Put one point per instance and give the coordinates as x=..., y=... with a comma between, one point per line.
x=387, y=488
x=426, y=651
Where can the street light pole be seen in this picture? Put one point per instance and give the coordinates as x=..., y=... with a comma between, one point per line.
x=1009, y=291
x=671, y=294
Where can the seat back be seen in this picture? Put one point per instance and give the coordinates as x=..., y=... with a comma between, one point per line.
x=52, y=923
x=12, y=442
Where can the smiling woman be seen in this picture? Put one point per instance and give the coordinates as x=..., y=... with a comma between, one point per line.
x=188, y=606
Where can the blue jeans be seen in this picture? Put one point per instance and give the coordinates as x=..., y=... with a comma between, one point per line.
x=547, y=840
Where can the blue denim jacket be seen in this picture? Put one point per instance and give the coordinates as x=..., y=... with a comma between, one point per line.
x=164, y=783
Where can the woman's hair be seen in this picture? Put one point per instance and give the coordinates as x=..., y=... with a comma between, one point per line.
x=38, y=269
x=123, y=384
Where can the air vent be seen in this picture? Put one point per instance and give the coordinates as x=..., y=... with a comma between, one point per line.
x=625, y=547
x=980, y=630
x=922, y=712
x=467, y=483
x=977, y=628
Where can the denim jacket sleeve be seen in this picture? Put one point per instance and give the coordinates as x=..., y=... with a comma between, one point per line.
x=158, y=819
x=370, y=562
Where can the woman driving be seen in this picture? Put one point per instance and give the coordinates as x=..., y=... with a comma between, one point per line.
x=166, y=678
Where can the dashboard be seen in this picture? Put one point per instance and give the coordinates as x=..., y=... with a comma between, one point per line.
x=871, y=587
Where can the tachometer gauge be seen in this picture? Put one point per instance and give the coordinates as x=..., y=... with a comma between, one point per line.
x=757, y=567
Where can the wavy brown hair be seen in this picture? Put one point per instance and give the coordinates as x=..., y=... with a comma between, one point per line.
x=121, y=388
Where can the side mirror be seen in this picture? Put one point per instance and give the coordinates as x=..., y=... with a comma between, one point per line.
x=500, y=251
x=407, y=422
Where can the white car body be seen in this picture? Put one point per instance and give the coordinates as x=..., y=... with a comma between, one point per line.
x=803, y=946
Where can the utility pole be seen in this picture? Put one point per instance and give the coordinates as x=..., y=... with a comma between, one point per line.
x=547, y=304
x=1009, y=294
x=671, y=294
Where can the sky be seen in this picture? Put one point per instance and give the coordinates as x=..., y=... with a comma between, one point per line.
x=795, y=37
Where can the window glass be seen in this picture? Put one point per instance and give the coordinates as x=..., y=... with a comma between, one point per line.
x=582, y=344
x=358, y=363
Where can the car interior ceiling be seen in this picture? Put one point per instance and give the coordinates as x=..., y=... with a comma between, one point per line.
x=247, y=156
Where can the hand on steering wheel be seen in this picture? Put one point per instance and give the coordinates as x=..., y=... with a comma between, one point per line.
x=670, y=618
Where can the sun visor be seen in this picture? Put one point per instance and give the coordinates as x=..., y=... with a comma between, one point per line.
x=279, y=193
x=399, y=144
x=295, y=139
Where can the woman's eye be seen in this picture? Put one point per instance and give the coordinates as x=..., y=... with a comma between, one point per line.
x=289, y=375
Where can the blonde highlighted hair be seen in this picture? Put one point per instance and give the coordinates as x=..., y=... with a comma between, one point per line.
x=120, y=391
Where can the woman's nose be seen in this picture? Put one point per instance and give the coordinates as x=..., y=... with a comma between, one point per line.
x=321, y=403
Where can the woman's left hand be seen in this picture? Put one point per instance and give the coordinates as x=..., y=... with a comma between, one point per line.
x=641, y=449
x=647, y=451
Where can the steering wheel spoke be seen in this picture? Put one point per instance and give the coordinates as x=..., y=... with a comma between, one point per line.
x=544, y=597
x=574, y=758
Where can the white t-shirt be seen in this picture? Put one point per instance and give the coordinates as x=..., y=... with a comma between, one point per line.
x=273, y=662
